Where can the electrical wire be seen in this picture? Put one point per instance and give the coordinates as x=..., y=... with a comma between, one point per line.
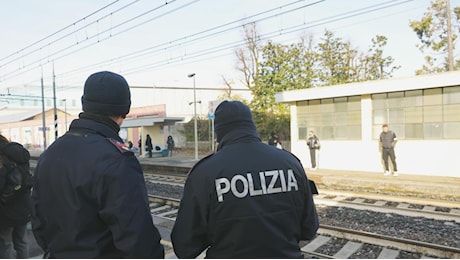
x=39, y=63
x=53, y=34
x=218, y=49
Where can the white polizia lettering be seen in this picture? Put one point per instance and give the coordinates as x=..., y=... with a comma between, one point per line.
x=243, y=185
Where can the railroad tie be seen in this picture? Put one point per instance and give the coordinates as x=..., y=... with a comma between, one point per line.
x=358, y=200
x=159, y=209
x=402, y=206
x=349, y=249
x=429, y=208
x=455, y=211
x=167, y=213
x=388, y=254
x=315, y=244
x=339, y=198
x=380, y=203
x=154, y=204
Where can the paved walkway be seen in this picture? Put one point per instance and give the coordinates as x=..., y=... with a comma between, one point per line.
x=410, y=184
x=440, y=187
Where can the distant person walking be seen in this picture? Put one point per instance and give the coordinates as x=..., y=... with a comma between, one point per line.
x=314, y=146
x=14, y=199
x=170, y=143
x=148, y=145
x=388, y=141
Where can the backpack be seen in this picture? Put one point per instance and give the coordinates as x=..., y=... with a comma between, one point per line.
x=18, y=179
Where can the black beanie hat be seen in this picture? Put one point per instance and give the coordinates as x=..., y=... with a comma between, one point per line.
x=232, y=115
x=106, y=93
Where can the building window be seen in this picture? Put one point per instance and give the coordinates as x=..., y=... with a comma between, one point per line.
x=419, y=114
x=331, y=119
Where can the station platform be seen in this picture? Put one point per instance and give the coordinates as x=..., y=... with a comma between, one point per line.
x=435, y=187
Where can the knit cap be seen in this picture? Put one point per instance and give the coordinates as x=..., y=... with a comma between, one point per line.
x=232, y=115
x=106, y=93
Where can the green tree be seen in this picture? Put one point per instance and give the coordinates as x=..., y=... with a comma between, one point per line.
x=374, y=65
x=437, y=38
x=272, y=67
x=336, y=59
x=203, y=127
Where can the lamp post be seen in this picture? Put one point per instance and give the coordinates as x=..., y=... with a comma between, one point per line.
x=194, y=112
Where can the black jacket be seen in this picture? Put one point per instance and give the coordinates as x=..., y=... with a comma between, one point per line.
x=17, y=210
x=387, y=139
x=248, y=200
x=90, y=199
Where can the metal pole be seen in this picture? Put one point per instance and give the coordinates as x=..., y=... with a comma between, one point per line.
x=195, y=126
x=212, y=134
x=65, y=111
x=43, y=113
x=55, y=110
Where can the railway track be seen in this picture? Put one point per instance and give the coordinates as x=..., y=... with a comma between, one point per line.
x=337, y=242
x=440, y=210
x=353, y=243
x=331, y=241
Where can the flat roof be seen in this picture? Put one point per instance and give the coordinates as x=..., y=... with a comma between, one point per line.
x=150, y=121
x=371, y=87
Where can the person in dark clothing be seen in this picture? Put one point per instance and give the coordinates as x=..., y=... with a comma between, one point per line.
x=273, y=140
x=313, y=145
x=89, y=198
x=14, y=213
x=248, y=200
x=148, y=145
x=170, y=143
x=139, y=143
x=388, y=141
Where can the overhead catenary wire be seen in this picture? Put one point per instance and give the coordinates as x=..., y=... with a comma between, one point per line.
x=266, y=36
x=217, y=49
x=50, y=57
x=55, y=33
x=269, y=35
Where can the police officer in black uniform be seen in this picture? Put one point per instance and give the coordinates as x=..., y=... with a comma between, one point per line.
x=248, y=200
x=89, y=195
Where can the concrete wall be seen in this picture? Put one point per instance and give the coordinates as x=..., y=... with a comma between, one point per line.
x=437, y=157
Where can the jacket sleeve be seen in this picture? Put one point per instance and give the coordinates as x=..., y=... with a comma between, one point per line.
x=189, y=234
x=3, y=172
x=309, y=222
x=37, y=225
x=123, y=205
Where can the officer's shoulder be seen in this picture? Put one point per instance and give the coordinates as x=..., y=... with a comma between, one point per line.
x=121, y=147
x=289, y=154
x=200, y=163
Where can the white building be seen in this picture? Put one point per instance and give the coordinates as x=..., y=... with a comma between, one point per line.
x=423, y=111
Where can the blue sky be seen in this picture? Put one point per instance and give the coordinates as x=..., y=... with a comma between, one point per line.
x=173, y=30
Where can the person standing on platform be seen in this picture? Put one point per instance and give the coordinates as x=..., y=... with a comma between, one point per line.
x=314, y=146
x=89, y=198
x=170, y=143
x=388, y=141
x=139, y=144
x=248, y=200
x=148, y=145
x=14, y=198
